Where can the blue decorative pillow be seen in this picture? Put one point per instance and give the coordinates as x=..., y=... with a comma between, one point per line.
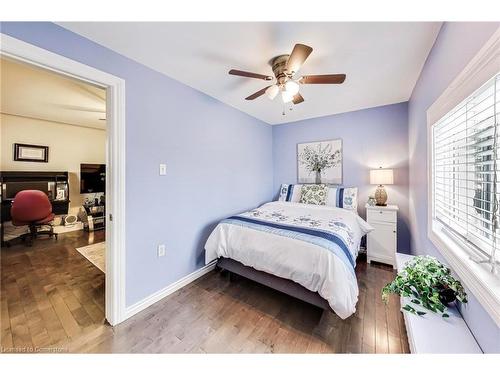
x=290, y=193
x=284, y=192
x=343, y=197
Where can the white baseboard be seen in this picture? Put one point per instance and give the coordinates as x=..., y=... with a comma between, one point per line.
x=162, y=293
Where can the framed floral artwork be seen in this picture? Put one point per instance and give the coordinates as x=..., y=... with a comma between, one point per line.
x=320, y=162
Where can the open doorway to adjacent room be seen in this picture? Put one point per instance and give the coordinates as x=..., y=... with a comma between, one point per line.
x=53, y=200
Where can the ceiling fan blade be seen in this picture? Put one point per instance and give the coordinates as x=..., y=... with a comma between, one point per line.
x=323, y=79
x=242, y=73
x=257, y=94
x=297, y=98
x=299, y=54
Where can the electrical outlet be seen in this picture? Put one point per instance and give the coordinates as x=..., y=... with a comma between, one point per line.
x=161, y=250
x=163, y=169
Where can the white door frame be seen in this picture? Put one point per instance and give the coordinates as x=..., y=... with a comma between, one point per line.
x=115, y=158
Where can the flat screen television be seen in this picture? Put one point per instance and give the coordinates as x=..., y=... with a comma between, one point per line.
x=92, y=178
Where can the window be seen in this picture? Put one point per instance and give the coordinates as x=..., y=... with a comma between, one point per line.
x=463, y=132
x=465, y=169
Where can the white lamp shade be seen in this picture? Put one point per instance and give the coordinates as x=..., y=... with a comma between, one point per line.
x=292, y=87
x=286, y=97
x=272, y=91
x=381, y=176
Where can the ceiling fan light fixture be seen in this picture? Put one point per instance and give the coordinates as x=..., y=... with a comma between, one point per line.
x=292, y=87
x=284, y=68
x=286, y=96
x=272, y=91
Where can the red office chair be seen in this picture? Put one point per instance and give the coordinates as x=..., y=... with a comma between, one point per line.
x=32, y=208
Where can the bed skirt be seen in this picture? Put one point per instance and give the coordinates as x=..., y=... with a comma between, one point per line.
x=278, y=283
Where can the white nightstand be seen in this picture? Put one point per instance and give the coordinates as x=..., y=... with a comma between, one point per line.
x=382, y=241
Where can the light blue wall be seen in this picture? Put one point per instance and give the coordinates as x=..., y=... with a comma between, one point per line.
x=456, y=45
x=205, y=143
x=371, y=138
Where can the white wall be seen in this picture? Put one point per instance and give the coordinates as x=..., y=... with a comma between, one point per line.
x=69, y=146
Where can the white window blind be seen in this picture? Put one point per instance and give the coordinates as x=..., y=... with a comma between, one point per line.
x=465, y=169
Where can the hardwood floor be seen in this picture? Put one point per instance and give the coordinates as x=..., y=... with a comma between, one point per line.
x=50, y=293
x=53, y=297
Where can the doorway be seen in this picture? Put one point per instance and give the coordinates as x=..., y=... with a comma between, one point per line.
x=16, y=50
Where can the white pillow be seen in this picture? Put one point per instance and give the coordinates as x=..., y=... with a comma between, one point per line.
x=343, y=197
x=296, y=193
x=290, y=193
x=331, y=198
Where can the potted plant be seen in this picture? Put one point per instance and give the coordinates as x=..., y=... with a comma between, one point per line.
x=428, y=283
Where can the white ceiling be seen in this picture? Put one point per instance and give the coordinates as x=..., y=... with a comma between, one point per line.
x=34, y=92
x=382, y=60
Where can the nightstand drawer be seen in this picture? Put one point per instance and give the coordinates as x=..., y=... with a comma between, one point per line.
x=381, y=215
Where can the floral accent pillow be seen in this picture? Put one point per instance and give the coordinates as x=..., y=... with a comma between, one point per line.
x=314, y=194
x=284, y=192
x=350, y=200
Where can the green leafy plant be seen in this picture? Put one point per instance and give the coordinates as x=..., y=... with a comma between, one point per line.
x=428, y=283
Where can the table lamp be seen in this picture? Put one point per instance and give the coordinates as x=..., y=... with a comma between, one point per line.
x=381, y=177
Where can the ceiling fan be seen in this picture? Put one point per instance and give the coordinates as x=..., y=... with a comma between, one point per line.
x=284, y=68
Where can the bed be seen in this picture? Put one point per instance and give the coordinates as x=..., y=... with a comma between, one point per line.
x=307, y=251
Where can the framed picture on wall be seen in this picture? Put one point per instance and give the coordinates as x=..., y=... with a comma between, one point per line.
x=24, y=152
x=320, y=162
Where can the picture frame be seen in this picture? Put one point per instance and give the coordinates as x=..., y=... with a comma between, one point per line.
x=320, y=162
x=31, y=153
x=60, y=195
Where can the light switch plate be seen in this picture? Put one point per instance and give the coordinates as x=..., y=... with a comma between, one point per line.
x=163, y=169
x=161, y=250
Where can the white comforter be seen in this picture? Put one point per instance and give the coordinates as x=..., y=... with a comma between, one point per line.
x=317, y=264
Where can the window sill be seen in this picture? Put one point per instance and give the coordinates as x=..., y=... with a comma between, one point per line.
x=478, y=278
